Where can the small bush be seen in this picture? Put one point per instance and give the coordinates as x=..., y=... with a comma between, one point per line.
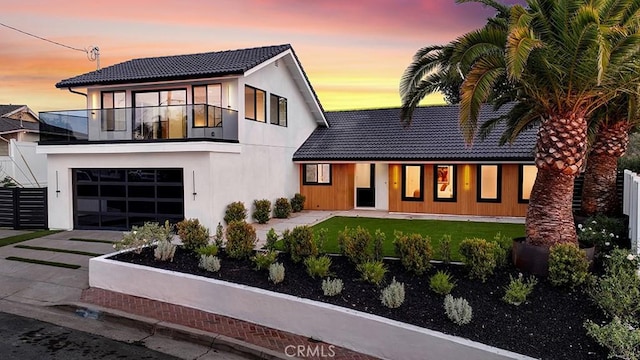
x=458, y=310
x=211, y=250
x=282, y=208
x=299, y=243
x=393, y=295
x=568, y=265
x=601, y=231
x=441, y=283
x=164, y=251
x=263, y=260
x=414, y=251
x=479, y=257
x=297, y=202
x=445, y=248
x=378, y=245
x=218, y=238
x=235, y=212
x=355, y=244
x=241, y=239
x=332, y=287
x=262, y=211
x=318, y=266
x=372, y=271
x=321, y=237
x=144, y=235
x=193, y=234
x=518, y=290
x=276, y=273
x=210, y=263
x=502, y=249
x=272, y=239
x=622, y=340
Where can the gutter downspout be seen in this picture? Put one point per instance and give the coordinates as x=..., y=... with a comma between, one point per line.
x=76, y=92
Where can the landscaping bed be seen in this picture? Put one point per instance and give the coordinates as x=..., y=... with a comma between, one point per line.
x=549, y=325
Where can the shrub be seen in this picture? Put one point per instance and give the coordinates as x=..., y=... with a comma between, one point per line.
x=372, y=271
x=241, y=239
x=272, y=239
x=297, y=202
x=276, y=273
x=317, y=266
x=601, y=231
x=458, y=310
x=218, y=238
x=282, y=208
x=479, y=256
x=378, y=244
x=210, y=263
x=211, y=250
x=568, y=265
x=193, y=234
x=393, y=295
x=355, y=244
x=332, y=287
x=622, y=340
x=445, y=248
x=502, y=249
x=441, y=283
x=414, y=251
x=299, y=243
x=140, y=236
x=235, y=212
x=262, y=212
x=264, y=259
x=630, y=162
x=164, y=251
x=518, y=290
x=321, y=237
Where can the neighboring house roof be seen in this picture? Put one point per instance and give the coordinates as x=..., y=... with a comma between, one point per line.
x=6, y=110
x=434, y=135
x=12, y=124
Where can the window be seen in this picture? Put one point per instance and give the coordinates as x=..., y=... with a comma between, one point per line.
x=207, y=105
x=527, y=176
x=160, y=114
x=489, y=183
x=444, y=188
x=278, y=107
x=255, y=104
x=412, y=183
x=317, y=174
x=113, y=111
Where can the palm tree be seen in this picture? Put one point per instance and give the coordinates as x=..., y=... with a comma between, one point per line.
x=566, y=59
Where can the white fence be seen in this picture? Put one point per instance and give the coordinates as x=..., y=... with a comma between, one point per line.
x=23, y=165
x=631, y=207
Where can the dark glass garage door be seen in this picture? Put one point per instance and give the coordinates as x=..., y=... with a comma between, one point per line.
x=120, y=198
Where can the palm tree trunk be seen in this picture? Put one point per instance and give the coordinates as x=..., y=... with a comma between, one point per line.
x=560, y=151
x=599, y=193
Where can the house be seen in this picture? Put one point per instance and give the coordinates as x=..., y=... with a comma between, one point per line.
x=19, y=134
x=19, y=123
x=366, y=159
x=173, y=137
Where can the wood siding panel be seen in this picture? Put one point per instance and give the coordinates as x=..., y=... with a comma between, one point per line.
x=466, y=203
x=337, y=196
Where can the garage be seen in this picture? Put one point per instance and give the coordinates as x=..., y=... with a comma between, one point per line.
x=117, y=199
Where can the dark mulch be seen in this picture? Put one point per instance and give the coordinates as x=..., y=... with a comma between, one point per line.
x=548, y=326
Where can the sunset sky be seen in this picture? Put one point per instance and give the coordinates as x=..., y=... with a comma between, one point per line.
x=354, y=51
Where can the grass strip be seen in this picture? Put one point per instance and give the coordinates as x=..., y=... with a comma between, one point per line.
x=92, y=240
x=27, y=236
x=43, y=262
x=65, y=251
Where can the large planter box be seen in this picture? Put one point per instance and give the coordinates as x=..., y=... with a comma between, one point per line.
x=365, y=333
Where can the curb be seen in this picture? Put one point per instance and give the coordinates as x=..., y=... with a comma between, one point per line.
x=174, y=331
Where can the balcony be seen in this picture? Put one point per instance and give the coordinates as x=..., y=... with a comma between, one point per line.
x=140, y=124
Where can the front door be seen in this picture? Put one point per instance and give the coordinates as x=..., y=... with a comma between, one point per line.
x=365, y=185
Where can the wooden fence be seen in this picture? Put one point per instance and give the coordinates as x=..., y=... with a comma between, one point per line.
x=23, y=208
x=630, y=207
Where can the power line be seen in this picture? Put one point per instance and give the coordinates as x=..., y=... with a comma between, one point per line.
x=41, y=38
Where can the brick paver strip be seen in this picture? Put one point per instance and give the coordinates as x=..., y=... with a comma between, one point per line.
x=254, y=334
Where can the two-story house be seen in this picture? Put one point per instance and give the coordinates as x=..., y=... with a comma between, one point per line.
x=173, y=137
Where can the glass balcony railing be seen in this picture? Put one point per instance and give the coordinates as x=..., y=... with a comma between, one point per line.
x=141, y=123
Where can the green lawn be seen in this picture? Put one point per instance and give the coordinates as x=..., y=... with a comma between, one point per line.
x=459, y=230
x=26, y=236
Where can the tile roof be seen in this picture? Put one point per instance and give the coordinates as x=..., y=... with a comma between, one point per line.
x=177, y=67
x=434, y=135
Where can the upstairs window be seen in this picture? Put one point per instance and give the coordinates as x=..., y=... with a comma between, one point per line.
x=489, y=183
x=113, y=111
x=527, y=176
x=255, y=104
x=412, y=183
x=317, y=174
x=207, y=105
x=278, y=106
x=444, y=183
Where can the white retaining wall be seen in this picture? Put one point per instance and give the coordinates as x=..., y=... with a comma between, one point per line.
x=630, y=206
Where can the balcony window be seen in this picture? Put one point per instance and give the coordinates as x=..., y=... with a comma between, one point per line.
x=489, y=183
x=278, y=106
x=444, y=183
x=113, y=111
x=160, y=114
x=527, y=176
x=412, y=183
x=207, y=100
x=317, y=174
x=255, y=104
